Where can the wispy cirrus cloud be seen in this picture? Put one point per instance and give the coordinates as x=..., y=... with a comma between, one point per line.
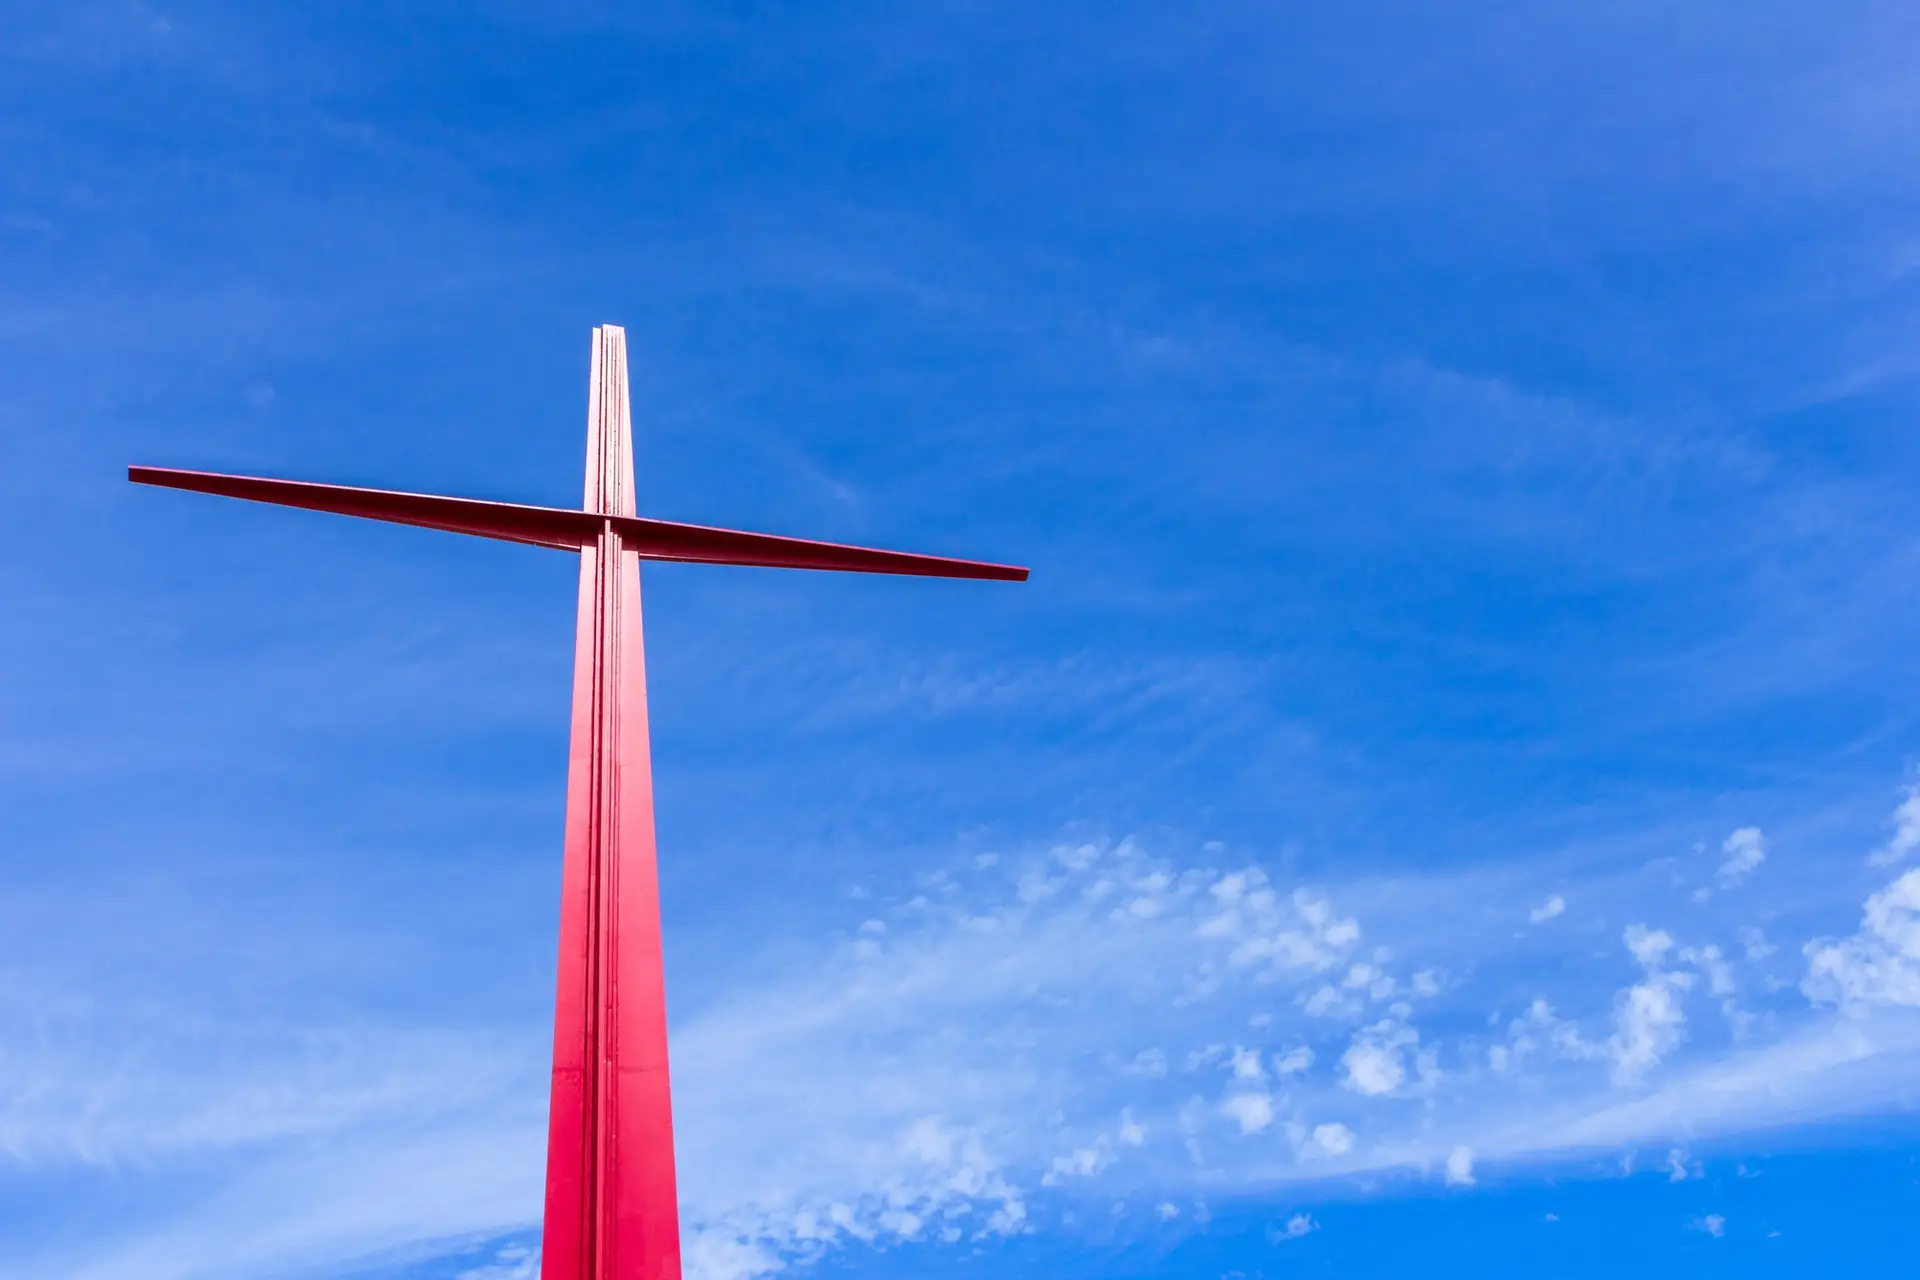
x=1906, y=832
x=979, y=1048
x=1101, y=1017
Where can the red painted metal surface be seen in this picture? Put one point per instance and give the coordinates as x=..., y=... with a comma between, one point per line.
x=611, y=1209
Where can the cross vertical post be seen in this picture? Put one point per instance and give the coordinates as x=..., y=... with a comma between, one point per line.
x=610, y=1201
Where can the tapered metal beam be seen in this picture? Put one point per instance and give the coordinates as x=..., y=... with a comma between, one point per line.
x=611, y=1208
x=569, y=530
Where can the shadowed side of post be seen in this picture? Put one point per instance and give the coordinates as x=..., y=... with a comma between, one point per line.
x=611, y=1205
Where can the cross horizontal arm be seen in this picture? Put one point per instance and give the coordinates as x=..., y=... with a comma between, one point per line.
x=698, y=544
x=567, y=530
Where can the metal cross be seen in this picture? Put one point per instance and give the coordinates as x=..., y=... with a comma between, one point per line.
x=611, y=1208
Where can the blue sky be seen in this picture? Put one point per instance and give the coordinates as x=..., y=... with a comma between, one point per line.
x=1445, y=797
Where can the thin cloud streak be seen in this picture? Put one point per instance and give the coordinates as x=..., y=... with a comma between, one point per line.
x=998, y=1039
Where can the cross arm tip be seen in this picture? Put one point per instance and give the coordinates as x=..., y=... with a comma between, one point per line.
x=507, y=521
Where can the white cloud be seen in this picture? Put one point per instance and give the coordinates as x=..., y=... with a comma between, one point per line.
x=1713, y=964
x=1541, y=1029
x=1077, y=857
x=1295, y=1227
x=1367, y=978
x=1649, y=1021
x=1678, y=1170
x=1204, y=1055
x=1881, y=963
x=1295, y=1061
x=1330, y=1002
x=1083, y=1163
x=1246, y=1065
x=1148, y=1064
x=1335, y=1139
x=1233, y=886
x=1906, y=832
x=1373, y=1061
x=1131, y=1133
x=1745, y=850
x=1713, y=1224
x=1460, y=1167
x=1548, y=910
x=1372, y=1069
x=1308, y=937
x=1649, y=946
x=1252, y=1111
